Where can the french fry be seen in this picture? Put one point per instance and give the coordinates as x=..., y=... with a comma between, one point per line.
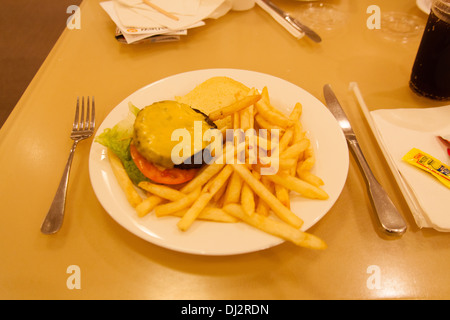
x=280, y=210
x=264, y=143
x=205, y=174
x=295, y=150
x=310, y=178
x=233, y=192
x=282, y=194
x=266, y=98
x=262, y=207
x=298, y=132
x=308, y=161
x=204, y=198
x=174, y=206
x=223, y=129
x=286, y=138
x=228, y=191
x=247, y=115
x=277, y=228
x=287, y=163
x=234, y=107
x=217, y=214
x=245, y=119
x=236, y=120
x=162, y=191
x=219, y=194
x=270, y=115
x=247, y=199
x=292, y=171
x=124, y=180
x=302, y=187
x=266, y=124
x=147, y=205
x=192, y=213
x=219, y=180
x=296, y=112
x=251, y=111
x=210, y=214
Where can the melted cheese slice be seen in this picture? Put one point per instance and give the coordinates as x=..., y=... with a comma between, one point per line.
x=158, y=124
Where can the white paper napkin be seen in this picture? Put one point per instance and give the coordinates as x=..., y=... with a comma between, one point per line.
x=397, y=132
x=134, y=13
x=183, y=7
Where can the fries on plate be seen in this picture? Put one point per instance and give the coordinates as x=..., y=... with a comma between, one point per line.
x=256, y=191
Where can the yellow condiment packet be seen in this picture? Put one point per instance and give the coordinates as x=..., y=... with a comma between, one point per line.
x=431, y=165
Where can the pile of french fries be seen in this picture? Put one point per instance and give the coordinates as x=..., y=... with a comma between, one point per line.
x=231, y=192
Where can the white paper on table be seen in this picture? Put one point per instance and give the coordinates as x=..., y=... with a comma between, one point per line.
x=397, y=132
x=133, y=35
x=183, y=7
x=143, y=16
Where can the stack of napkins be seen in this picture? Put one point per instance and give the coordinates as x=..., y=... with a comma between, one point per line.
x=400, y=130
x=137, y=20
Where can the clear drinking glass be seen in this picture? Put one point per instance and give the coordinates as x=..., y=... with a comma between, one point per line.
x=430, y=75
x=400, y=27
x=319, y=15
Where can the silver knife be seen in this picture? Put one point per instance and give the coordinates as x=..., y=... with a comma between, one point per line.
x=390, y=219
x=294, y=22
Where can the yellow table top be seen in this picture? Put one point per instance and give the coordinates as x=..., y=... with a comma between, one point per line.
x=360, y=261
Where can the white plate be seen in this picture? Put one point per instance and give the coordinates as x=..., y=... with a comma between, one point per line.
x=209, y=238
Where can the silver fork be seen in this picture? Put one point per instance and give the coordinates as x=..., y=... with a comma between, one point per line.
x=83, y=128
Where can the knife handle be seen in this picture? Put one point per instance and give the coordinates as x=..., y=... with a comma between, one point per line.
x=389, y=217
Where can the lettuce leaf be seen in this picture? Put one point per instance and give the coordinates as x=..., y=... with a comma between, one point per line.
x=118, y=139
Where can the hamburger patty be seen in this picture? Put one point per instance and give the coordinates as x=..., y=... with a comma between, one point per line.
x=155, y=124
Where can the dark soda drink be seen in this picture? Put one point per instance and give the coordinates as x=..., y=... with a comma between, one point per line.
x=430, y=75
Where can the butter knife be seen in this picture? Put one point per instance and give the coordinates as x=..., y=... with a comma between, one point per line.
x=390, y=219
x=293, y=22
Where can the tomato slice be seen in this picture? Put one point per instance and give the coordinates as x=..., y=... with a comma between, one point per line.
x=166, y=176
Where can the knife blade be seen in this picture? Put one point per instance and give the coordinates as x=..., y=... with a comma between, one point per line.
x=294, y=22
x=390, y=219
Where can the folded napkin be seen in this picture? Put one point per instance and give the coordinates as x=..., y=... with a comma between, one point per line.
x=397, y=132
x=137, y=14
x=183, y=7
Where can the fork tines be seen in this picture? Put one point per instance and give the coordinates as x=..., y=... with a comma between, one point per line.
x=83, y=122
